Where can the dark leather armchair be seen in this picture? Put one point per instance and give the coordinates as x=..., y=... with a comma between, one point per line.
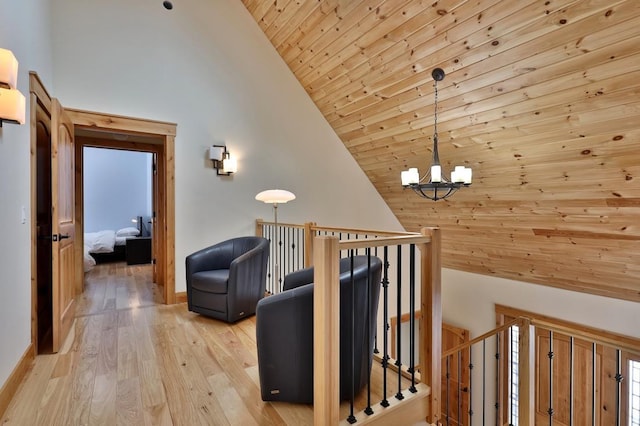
x=284, y=332
x=226, y=281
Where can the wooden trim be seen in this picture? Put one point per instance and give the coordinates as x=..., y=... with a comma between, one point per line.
x=38, y=95
x=527, y=376
x=326, y=329
x=259, y=228
x=411, y=410
x=99, y=120
x=165, y=151
x=607, y=338
x=309, y=235
x=393, y=322
x=181, y=297
x=431, y=331
x=14, y=380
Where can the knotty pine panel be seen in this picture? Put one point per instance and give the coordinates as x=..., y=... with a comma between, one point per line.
x=540, y=100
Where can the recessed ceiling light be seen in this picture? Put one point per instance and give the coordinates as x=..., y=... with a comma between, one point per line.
x=167, y=4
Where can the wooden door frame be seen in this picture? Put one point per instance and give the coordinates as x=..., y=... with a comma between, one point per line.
x=164, y=133
x=38, y=95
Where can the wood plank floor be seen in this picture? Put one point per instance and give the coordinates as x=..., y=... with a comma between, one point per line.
x=131, y=361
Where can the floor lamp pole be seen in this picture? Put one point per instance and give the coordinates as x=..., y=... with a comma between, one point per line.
x=277, y=239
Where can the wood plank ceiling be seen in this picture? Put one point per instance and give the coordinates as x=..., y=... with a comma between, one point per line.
x=540, y=100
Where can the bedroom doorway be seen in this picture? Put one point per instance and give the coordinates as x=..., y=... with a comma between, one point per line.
x=97, y=130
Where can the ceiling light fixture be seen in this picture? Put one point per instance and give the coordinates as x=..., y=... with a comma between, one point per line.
x=433, y=185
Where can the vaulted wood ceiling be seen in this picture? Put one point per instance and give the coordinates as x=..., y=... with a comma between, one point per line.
x=540, y=100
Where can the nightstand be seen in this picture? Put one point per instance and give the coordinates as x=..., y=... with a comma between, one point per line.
x=138, y=250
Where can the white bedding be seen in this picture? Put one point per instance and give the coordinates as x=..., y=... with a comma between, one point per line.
x=100, y=242
x=89, y=261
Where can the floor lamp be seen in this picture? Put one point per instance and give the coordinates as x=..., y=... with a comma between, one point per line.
x=275, y=197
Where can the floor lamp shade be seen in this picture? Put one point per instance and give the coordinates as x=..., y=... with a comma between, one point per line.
x=275, y=196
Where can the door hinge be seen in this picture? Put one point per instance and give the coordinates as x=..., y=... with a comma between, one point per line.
x=153, y=261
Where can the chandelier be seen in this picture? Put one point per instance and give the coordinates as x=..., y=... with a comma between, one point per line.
x=433, y=185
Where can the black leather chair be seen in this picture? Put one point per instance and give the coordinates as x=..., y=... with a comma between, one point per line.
x=226, y=281
x=284, y=332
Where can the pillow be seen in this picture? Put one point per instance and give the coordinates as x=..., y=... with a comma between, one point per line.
x=127, y=232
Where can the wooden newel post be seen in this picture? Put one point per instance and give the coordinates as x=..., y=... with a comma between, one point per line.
x=259, y=231
x=326, y=331
x=308, y=243
x=431, y=327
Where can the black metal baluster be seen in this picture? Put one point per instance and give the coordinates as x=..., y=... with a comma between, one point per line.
x=352, y=419
x=498, y=375
x=471, y=386
x=375, y=337
x=281, y=251
x=618, y=378
x=550, y=355
x=385, y=343
x=412, y=316
x=271, y=259
x=399, y=323
x=484, y=373
x=369, y=410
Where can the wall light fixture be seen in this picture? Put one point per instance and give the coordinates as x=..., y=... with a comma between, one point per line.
x=224, y=164
x=12, y=102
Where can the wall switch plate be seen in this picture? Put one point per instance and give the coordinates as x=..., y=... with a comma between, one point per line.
x=23, y=215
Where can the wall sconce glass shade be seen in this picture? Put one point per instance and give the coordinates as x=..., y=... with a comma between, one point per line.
x=12, y=106
x=12, y=102
x=222, y=161
x=8, y=69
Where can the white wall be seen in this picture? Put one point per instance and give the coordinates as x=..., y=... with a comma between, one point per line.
x=468, y=300
x=208, y=67
x=116, y=188
x=25, y=30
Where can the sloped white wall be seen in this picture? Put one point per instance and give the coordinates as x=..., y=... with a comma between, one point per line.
x=207, y=66
x=25, y=30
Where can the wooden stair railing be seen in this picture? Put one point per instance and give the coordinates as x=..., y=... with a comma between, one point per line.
x=425, y=403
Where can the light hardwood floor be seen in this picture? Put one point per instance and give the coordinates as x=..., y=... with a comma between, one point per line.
x=130, y=361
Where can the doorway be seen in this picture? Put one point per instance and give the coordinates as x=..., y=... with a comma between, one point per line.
x=142, y=135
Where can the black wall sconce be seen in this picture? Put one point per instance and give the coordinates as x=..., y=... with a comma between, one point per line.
x=222, y=161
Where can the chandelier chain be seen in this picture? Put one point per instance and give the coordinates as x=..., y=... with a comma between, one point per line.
x=435, y=116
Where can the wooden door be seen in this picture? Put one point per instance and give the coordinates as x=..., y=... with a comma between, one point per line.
x=63, y=223
x=455, y=377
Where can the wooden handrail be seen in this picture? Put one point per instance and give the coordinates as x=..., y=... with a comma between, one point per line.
x=480, y=338
x=614, y=341
x=357, y=231
x=381, y=242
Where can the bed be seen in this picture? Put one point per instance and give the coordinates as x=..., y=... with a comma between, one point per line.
x=106, y=246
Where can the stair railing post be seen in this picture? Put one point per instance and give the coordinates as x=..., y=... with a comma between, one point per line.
x=526, y=373
x=326, y=331
x=309, y=235
x=259, y=223
x=431, y=326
